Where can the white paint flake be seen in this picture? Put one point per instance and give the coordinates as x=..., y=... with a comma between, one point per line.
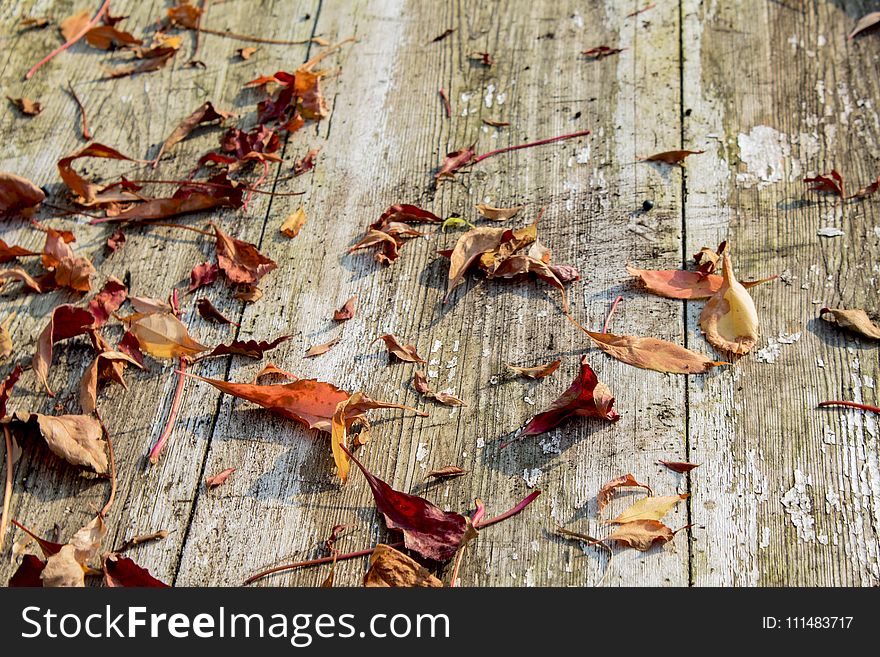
x=799, y=507
x=829, y=231
x=532, y=477
x=765, y=152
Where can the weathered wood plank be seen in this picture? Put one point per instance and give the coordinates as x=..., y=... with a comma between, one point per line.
x=788, y=494
x=134, y=115
x=386, y=133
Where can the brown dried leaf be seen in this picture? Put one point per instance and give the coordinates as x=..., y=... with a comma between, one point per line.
x=642, y=534
x=469, y=248
x=603, y=497
x=67, y=567
x=536, y=371
x=855, y=320
x=405, y=353
x=18, y=194
x=652, y=354
x=498, y=214
x=73, y=25
x=347, y=310
x=246, y=53
x=446, y=472
x=670, y=157
x=88, y=386
x=729, y=319
x=240, y=261
x=78, y=439
x=319, y=349
x=210, y=313
x=206, y=113
x=680, y=466
x=294, y=223
x=391, y=568
x=26, y=106
x=218, y=479
x=87, y=193
x=19, y=274
x=866, y=23
x=420, y=383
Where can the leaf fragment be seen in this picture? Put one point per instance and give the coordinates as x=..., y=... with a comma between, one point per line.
x=535, y=371
x=406, y=353
x=865, y=24
x=670, y=157
x=446, y=472
x=347, y=310
x=681, y=467
x=392, y=568
x=683, y=284
x=498, y=214
x=420, y=383
x=218, y=479
x=294, y=223
x=855, y=320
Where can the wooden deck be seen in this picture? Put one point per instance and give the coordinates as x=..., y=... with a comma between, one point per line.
x=771, y=90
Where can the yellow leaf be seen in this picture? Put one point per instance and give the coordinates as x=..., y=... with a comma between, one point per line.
x=162, y=335
x=294, y=223
x=650, y=508
x=729, y=320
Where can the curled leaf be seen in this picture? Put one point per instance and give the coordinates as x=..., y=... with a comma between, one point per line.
x=209, y=312
x=420, y=383
x=292, y=225
x=66, y=322
x=603, y=497
x=240, y=261
x=319, y=349
x=202, y=275
x=585, y=397
x=347, y=310
x=405, y=353
x=391, y=568
x=88, y=193
x=446, y=472
x=249, y=348
x=78, y=439
x=497, y=214
x=680, y=466
x=670, y=157
x=67, y=567
x=206, y=113
x=729, y=319
x=18, y=194
x=218, y=479
x=642, y=534
x=855, y=320
x=107, y=301
x=535, y=371
x=683, y=284
x=865, y=24
x=827, y=184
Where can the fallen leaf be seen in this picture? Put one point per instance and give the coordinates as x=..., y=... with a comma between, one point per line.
x=707, y=259
x=420, y=383
x=455, y=161
x=536, y=371
x=66, y=322
x=185, y=15
x=85, y=192
x=248, y=293
x=271, y=369
x=26, y=106
x=147, y=305
x=115, y=241
x=496, y=124
x=249, y=348
x=391, y=568
x=202, y=275
x=600, y=52
x=867, y=191
x=10, y=253
x=107, y=37
x=680, y=466
x=729, y=319
x=241, y=261
x=6, y=388
x=67, y=269
x=497, y=214
x=107, y=301
x=346, y=413
x=78, y=439
x=670, y=157
x=195, y=196
x=18, y=274
x=443, y=35
x=122, y=572
x=218, y=479
x=642, y=534
x=683, y=284
x=827, y=184
x=388, y=231
x=406, y=353
x=603, y=497
x=446, y=472
x=18, y=194
x=430, y=532
x=855, y=320
x=67, y=567
x=307, y=163
x=455, y=223
x=28, y=573
x=73, y=25
x=129, y=345
x=210, y=313
x=206, y=113
x=246, y=53
x=319, y=349
x=6, y=345
x=649, y=508
x=347, y=310
x=866, y=23
x=34, y=23
x=585, y=397
x=88, y=386
x=468, y=249
x=162, y=335
x=294, y=223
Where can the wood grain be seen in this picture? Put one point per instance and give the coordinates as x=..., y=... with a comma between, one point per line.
x=775, y=502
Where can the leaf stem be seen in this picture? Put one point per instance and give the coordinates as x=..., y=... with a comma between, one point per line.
x=611, y=314
x=7, y=490
x=446, y=104
x=540, y=142
x=481, y=524
x=256, y=39
x=850, y=404
x=85, y=122
x=112, y=466
x=79, y=35
x=315, y=562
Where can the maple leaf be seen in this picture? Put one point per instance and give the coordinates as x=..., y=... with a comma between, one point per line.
x=121, y=571
x=241, y=261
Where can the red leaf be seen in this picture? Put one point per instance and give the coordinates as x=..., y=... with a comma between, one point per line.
x=827, y=184
x=121, y=571
x=28, y=573
x=202, y=275
x=107, y=301
x=219, y=479
x=609, y=487
x=209, y=312
x=455, y=161
x=427, y=530
x=6, y=388
x=115, y=241
x=66, y=322
x=670, y=157
x=586, y=397
x=130, y=346
x=204, y=114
